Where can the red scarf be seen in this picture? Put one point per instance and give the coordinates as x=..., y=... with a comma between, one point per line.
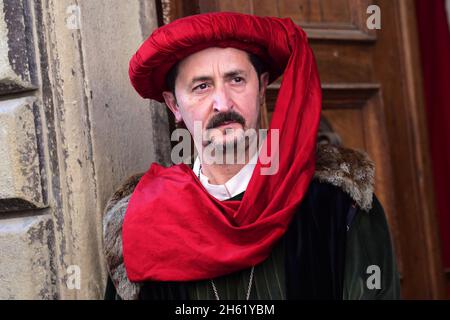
x=174, y=230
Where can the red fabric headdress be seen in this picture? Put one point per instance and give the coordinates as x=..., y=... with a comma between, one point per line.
x=174, y=230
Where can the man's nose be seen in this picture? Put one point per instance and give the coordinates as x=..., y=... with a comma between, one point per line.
x=221, y=100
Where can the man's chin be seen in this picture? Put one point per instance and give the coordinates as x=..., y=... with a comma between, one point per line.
x=228, y=143
x=226, y=150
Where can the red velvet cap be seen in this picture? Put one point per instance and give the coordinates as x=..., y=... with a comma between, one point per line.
x=173, y=42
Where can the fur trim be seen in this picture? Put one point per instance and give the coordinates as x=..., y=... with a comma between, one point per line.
x=112, y=239
x=350, y=170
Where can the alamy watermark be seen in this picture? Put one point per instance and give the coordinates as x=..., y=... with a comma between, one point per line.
x=236, y=146
x=374, y=20
x=73, y=277
x=73, y=20
x=373, y=282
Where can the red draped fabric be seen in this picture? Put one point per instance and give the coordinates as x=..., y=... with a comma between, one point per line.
x=434, y=39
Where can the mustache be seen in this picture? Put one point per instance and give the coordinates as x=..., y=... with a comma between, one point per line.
x=223, y=117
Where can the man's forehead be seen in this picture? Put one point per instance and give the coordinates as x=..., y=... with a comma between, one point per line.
x=206, y=60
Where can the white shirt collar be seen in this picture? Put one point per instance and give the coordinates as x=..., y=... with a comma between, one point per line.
x=236, y=185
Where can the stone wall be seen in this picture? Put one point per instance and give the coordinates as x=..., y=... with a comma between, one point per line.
x=71, y=129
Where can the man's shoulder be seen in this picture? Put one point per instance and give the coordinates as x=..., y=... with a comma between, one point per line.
x=124, y=190
x=113, y=216
x=350, y=171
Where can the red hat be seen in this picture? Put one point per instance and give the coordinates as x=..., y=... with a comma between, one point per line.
x=175, y=41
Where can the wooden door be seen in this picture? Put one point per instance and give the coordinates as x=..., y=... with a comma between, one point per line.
x=372, y=100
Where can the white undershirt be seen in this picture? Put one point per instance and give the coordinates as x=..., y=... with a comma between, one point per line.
x=234, y=186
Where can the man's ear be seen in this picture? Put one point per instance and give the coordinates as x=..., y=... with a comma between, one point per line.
x=171, y=103
x=264, y=82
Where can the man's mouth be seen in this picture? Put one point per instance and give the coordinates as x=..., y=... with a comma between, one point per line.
x=226, y=123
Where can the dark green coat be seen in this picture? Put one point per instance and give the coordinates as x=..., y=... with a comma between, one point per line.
x=337, y=246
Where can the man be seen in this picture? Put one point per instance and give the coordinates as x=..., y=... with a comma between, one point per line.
x=299, y=222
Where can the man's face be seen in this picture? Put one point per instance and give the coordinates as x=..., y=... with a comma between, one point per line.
x=220, y=88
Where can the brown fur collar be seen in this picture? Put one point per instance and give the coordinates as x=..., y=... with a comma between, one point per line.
x=350, y=170
x=112, y=239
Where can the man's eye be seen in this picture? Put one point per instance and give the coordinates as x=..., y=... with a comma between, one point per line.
x=202, y=86
x=238, y=81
